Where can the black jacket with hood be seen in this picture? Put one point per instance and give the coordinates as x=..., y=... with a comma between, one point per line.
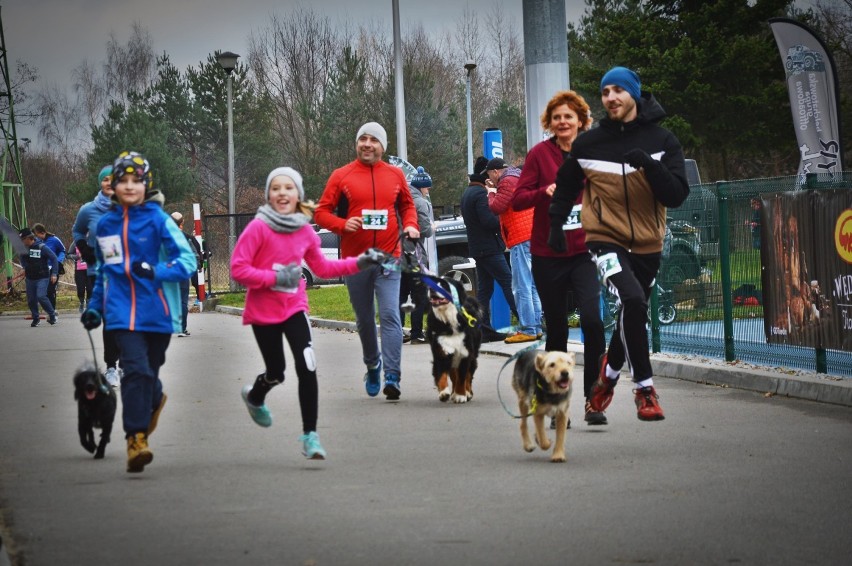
x=623, y=205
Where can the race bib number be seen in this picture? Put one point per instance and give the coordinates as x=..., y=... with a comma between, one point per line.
x=608, y=265
x=374, y=219
x=573, y=221
x=35, y=253
x=111, y=249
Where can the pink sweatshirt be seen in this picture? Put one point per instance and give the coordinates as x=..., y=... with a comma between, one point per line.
x=258, y=248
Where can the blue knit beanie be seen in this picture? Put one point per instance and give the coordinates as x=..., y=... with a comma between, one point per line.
x=105, y=172
x=625, y=78
x=421, y=179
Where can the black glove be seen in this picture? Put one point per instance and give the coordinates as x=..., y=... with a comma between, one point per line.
x=556, y=240
x=143, y=269
x=86, y=251
x=638, y=159
x=91, y=319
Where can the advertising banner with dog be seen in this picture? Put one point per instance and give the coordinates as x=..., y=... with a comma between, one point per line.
x=812, y=87
x=807, y=276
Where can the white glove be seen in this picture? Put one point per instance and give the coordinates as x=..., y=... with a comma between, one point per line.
x=370, y=258
x=287, y=277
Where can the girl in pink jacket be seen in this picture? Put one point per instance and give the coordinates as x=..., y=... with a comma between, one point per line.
x=267, y=260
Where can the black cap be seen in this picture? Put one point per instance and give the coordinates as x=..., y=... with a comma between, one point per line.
x=496, y=163
x=479, y=170
x=26, y=233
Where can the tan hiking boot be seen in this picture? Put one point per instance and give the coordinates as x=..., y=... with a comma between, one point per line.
x=138, y=453
x=155, y=416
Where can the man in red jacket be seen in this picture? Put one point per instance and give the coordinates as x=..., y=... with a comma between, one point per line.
x=516, y=227
x=368, y=204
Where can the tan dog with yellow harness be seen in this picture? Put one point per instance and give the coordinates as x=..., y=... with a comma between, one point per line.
x=543, y=382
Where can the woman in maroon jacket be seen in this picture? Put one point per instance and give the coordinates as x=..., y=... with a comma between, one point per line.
x=557, y=274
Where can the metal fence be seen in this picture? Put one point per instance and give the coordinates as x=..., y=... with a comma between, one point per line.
x=720, y=312
x=216, y=228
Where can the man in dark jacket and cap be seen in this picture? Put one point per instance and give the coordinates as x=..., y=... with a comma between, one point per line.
x=41, y=268
x=486, y=246
x=630, y=169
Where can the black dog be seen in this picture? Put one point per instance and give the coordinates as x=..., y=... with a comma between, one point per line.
x=96, y=403
x=455, y=336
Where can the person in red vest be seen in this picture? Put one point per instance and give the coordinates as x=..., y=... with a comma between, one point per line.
x=516, y=227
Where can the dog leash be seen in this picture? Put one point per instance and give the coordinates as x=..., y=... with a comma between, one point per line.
x=104, y=387
x=413, y=264
x=511, y=359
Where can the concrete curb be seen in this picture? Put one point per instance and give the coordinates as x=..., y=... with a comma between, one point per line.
x=790, y=383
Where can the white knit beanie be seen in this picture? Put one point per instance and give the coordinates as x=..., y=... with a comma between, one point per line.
x=287, y=172
x=376, y=130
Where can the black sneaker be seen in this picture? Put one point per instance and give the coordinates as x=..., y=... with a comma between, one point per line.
x=491, y=335
x=595, y=417
x=52, y=320
x=36, y=322
x=418, y=339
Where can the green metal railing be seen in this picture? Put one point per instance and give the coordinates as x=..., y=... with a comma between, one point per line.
x=720, y=312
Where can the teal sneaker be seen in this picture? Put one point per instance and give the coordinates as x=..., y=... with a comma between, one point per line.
x=311, y=447
x=392, y=390
x=260, y=415
x=373, y=379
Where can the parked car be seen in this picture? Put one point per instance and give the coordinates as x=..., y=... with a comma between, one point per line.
x=699, y=211
x=330, y=243
x=682, y=254
x=453, y=256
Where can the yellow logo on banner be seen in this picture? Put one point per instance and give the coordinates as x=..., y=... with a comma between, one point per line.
x=843, y=235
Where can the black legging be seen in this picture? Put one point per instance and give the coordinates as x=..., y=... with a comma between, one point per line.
x=419, y=296
x=631, y=281
x=297, y=330
x=84, y=285
x=555, y=279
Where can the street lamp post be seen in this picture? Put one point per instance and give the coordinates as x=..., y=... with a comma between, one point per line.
x=228, y=61
x=469, y=66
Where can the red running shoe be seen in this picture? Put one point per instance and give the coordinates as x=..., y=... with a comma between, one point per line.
x=647, y=405
x=603, y=388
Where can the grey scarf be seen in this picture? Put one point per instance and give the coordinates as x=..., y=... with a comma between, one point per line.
x=285, y=223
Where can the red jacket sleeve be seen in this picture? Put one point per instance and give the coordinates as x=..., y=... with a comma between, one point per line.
x=324, y=214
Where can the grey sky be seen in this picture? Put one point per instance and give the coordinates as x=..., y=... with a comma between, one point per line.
x=57, y=35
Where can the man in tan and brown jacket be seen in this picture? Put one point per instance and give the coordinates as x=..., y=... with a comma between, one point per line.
x=630, y=169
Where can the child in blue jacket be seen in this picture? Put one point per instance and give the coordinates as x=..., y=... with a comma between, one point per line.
x=141, y=258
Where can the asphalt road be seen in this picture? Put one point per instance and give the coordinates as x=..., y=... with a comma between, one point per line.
x=731, y=476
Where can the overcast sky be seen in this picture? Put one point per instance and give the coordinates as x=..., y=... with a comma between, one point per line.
x=55, y=36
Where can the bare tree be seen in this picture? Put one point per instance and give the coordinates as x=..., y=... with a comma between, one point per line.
x=60, y=125
x=291, y=60
x=131, y=67
x=90, y=87
x=65, y=122
x=26, y=111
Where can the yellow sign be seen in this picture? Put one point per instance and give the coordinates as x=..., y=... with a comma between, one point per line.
x=843, y=235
